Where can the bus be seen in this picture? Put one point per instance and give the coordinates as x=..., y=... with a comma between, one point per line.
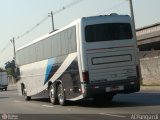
x=92, y=57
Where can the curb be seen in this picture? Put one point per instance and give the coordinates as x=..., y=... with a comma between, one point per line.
x=152, y=88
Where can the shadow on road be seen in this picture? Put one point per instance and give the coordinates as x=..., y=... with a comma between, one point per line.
x=8, y=90
x=122, y=100
x=4, y=97
x=40, y=100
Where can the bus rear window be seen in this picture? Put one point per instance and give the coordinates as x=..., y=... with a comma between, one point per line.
x=108, y=32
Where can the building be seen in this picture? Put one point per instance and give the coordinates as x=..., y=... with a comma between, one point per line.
x=149, y=45
x=149, y=37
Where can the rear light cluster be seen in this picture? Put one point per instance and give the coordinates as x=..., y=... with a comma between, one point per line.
x=85, y=75
x=138, y=72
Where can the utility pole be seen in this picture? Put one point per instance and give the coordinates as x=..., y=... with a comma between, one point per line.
x=14, y=50
x=132, y=16
x=52, y=20
x=134, y=28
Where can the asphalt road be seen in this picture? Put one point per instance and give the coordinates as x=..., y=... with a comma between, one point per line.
x=123, y=107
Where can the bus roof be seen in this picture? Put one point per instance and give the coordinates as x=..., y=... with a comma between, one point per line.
x=49, y=34
x=69, y=25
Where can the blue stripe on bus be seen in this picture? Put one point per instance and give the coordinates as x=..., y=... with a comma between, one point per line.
x=49, y=69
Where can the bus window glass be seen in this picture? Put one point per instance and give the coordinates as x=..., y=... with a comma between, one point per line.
x=26, y=55
x=47, y=50
x=21, y=54
x=72, y=39
x=65, y=44
x=108, y=32
x=56, y=45
x=39, y=51
x=32, y=53
x=17, y=57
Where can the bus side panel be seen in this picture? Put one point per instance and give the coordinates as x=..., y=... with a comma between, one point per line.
x=71, y=81
x=33, y=76
x=65, y=69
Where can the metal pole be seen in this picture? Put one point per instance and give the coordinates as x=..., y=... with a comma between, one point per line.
x=14, y=50
x=132, y=16
x=52, y=20
x=134, y=28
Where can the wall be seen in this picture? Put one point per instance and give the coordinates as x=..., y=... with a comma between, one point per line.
x=150, y=67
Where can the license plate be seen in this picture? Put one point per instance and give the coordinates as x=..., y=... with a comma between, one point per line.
x=114, y=88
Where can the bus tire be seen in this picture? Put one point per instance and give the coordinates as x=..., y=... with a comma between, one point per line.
x=27, y=98
x=53, y=94
x=61, y=95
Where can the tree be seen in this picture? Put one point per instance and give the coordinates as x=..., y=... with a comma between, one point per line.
x=10, y=66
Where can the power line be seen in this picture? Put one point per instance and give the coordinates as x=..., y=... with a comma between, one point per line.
x=54, y=13
x=115, y=6
x=61, y=9
x=44, y=19
x=30, y=30
x=39, y=23
x=6, y=46
x=67, y=6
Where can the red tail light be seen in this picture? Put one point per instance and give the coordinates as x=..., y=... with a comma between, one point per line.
x=85, y=76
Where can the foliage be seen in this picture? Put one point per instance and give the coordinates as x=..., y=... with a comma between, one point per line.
x=10, y=66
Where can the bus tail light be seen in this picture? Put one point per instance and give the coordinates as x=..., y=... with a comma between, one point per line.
x=85, y=75
x=138, y=73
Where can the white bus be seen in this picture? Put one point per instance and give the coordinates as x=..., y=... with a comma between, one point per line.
x=93, y=57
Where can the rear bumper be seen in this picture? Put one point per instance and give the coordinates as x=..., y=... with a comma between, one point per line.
x=92, y=90
x=3, y=86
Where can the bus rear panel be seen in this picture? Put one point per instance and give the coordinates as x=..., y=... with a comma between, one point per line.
x=110, y=62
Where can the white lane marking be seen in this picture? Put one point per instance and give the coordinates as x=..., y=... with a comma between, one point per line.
x=113, y=115
x=17, y=101
x=49, y=106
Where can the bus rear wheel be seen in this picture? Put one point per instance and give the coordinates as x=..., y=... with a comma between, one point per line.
x=53, y=94
x=61, y=95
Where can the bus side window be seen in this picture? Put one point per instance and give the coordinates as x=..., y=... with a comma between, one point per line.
x=32, y=53
x=72, y=39
x=26, y=55
x=47, y=52
x=39, y=51
x=56, y=45
x=64, y=42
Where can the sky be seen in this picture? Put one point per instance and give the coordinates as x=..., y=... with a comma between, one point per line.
x=19, y=16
